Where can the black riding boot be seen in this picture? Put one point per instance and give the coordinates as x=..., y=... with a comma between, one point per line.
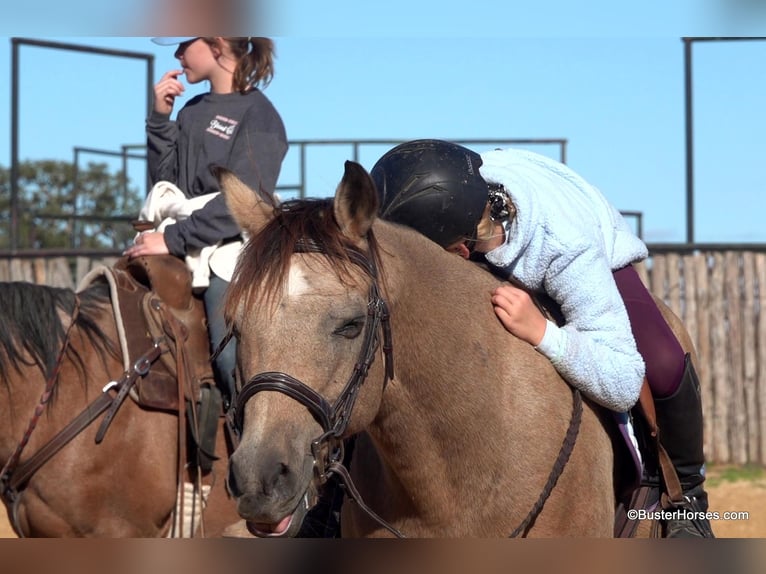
x=679, y=419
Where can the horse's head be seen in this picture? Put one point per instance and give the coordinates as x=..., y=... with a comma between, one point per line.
x=311, y=325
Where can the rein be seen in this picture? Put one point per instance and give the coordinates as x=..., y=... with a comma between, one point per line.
x=558, y=467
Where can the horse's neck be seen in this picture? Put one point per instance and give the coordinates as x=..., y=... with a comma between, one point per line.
x=447, y=338
x=460, y=378
x=77, y=384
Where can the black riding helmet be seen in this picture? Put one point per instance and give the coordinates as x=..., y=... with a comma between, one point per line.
x=434, y=187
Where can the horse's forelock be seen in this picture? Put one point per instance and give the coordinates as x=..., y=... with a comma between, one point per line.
x=265, y=260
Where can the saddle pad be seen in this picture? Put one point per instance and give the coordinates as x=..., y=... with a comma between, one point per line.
x=625, y=426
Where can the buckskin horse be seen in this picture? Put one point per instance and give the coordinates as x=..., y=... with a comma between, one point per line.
x=350, y=325
x=93, y=441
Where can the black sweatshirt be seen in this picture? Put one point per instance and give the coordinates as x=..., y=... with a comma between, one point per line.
x=241, y=132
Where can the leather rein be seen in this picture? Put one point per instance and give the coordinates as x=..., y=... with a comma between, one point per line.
x=327, y=449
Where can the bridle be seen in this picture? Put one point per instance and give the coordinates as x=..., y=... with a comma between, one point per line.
x=327, y=449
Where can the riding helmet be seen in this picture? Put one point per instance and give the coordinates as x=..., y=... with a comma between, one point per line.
x=433, y=186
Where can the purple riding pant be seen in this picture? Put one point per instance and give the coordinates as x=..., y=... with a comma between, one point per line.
x=662, y=353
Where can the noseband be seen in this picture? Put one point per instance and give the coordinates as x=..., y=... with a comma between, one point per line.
x=334, y=418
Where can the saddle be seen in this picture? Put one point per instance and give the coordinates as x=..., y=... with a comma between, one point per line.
x=157, y=306
x=157, y=312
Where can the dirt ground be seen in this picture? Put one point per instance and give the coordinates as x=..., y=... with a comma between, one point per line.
x=743, y=496
x=739, y=496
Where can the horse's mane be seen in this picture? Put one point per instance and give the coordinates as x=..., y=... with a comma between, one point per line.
x=265, y=258
x=32, y=326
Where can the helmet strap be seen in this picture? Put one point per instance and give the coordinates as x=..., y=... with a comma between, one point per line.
x=470, y=243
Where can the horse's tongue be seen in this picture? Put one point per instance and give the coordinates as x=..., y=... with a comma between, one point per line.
x=273, y=529
x=283, y=524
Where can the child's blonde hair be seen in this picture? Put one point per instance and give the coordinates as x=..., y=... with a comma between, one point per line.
x=486, y=227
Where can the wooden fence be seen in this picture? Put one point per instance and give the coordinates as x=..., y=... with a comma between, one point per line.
x=720, y=294
x=721, y=297
x=53, y=271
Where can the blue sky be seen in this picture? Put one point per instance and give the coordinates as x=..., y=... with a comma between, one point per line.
x=609, y=79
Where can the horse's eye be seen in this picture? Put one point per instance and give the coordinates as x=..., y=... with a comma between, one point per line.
x=351, y=329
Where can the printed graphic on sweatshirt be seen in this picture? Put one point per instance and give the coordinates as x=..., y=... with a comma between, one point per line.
x=222, y=127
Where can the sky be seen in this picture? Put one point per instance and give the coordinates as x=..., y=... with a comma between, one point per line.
x=607, y=78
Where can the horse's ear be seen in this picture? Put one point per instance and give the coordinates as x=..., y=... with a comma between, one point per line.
x=356, y=202
x=250, y=210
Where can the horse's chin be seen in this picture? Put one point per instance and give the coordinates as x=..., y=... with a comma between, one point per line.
x=288, y=527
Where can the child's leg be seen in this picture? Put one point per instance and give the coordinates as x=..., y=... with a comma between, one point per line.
x=676, y=393
x=656, y=342
x=226, y=362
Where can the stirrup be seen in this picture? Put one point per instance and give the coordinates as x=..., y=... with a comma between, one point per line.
x=689, y=521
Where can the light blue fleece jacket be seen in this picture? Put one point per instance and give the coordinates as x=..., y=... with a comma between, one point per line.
x=566, y=239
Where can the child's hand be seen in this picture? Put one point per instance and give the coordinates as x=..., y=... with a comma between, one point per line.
x=518, y=313
x=166, y=91
x=148, y=243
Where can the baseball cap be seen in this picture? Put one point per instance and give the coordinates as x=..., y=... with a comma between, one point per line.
x=172, y=40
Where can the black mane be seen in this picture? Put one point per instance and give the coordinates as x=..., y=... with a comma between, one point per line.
x=30, y=325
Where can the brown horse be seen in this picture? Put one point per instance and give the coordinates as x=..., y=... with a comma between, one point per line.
x=467, y=430
x=63, y=347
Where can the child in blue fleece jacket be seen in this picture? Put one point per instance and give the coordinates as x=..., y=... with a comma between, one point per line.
x=537, y=221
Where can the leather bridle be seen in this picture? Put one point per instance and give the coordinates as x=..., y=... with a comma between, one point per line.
x=327, y=448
